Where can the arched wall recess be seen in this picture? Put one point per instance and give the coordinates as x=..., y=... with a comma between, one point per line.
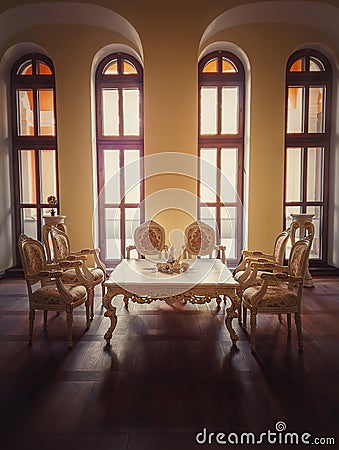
x=21, y=17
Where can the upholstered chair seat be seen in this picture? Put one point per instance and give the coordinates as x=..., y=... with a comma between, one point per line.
x=50, y=295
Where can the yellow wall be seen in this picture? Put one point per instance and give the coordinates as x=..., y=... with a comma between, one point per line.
x=170, y=42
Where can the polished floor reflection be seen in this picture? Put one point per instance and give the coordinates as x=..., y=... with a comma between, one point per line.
x=170, y=373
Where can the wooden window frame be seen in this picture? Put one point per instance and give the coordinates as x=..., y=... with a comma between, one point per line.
x=35, y=142
x=120, y=142
x=305, y=140
x=220, y=141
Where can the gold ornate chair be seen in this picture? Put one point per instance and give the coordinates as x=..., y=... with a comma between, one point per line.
x=93, y=275
x=53, y=295
x=280, y=292
x=149, y=240
x=243, y=272
x=200, y=241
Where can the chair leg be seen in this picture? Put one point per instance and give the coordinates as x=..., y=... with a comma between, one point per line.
x=69, y=321
x=91, y=301
x=244, y=317
x=87, y=306
x=31, y=324
x=253, y=321
x=297, y=318
x=45, y=320
x=289, y=324
x=280, y=318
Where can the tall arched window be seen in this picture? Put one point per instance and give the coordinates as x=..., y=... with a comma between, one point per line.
x=120, y=148
x=307, y=142
x=221, y=147
x=34, y=141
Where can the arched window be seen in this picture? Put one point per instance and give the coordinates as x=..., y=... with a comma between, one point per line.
x=34, y=141
x=307, y=142
x=221, y=147
x=120, y=148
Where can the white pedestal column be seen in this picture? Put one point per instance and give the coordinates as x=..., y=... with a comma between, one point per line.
x=302, y=218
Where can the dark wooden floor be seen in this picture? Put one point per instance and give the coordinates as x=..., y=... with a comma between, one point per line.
x=170, y=372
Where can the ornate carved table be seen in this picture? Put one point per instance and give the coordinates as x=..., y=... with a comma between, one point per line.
x=139, y=281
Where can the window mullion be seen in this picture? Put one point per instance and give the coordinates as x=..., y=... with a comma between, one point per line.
x=219, y=108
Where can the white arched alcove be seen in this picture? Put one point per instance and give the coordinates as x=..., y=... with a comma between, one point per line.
x=237, y=51
x=319, y=16
x=98, y=57
x=13, y=21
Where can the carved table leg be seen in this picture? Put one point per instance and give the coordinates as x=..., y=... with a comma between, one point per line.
x=110, y=313
x=232, y=314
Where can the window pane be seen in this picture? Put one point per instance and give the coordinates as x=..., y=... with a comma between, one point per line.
x=295, y=110
x=229, y=110
x=25, y=112
x=111, y=68
x=208, y=113
x=316, y=65
x=208, y=174
x=229, y=174
x=26, y=68
x=29, y=222
x=43, y=69
x=130, y=105
x=317, y=221
x=113, y=238
x=132, y=176
x=228, y=235
x=112, y=176
x=316, y=108
x=128, y=68
x=48, y=174
x=208, y=215
x=132, y=220
x=110, y=113
x=27, y=172
x=298, y=65
x=294, y=175
x=315, y=174
x=288, y=211
x=46, y=112
x=211, y=66
x=228, y=66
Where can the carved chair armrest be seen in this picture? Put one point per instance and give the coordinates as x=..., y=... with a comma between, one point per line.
x=254, y=267
x=222, y=250
x=273, y=278
x=256, y=254
x=75, y=257
x=129, y=249
x=83, y=274
x=69, y=264
x=50, y=274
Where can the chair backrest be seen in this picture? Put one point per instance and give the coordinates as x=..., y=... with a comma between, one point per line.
x=200, y=239
x=149, y=238
x=33, y=258
x=298, y=259
x=280, y=246
x=60, y=243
